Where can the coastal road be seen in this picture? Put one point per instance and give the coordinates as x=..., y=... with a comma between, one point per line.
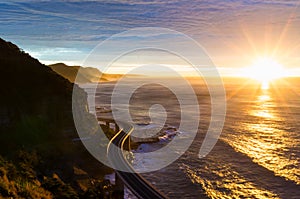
x=135, y=182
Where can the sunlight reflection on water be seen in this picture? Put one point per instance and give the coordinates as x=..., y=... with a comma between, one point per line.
x=260, y=139
x=265, y=140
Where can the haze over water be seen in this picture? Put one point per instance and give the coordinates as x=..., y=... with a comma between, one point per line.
x=257, y=155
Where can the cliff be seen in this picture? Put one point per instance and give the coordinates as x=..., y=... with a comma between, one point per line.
x=39, y=159
x=86, y=75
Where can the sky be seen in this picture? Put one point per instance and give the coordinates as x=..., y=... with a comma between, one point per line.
x=233, y=33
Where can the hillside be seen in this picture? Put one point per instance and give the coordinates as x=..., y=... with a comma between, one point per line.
x=86, y=75
x=38, y=158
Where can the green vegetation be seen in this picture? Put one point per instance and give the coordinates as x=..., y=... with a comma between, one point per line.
x=38, y=158
x=19, y=180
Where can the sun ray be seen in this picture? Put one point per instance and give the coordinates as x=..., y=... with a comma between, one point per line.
x=232, y=45
x=285, y=29
x=278, y=93
x=249, y=40
x=292, y=50
x=240, y=88
x=268, y=29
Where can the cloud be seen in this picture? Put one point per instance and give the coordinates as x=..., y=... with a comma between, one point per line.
x=52, y=55
x=110, y=17
x=83, y=24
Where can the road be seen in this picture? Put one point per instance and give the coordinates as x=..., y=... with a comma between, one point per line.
x=135, y=182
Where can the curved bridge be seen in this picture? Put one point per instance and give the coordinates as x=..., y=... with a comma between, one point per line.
x=135, y=182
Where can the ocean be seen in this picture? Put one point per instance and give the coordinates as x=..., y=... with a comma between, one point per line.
x=256, y=156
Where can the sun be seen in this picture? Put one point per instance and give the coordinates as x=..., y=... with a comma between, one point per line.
x=265, y=70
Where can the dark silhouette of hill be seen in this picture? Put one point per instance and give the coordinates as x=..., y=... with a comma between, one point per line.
x=86, y=75
x=39, y=159
x=31, y=93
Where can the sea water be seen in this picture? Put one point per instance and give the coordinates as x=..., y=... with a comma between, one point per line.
x=256, y=156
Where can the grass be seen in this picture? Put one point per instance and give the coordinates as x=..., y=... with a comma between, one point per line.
x=21, y=179
x=18, y=183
